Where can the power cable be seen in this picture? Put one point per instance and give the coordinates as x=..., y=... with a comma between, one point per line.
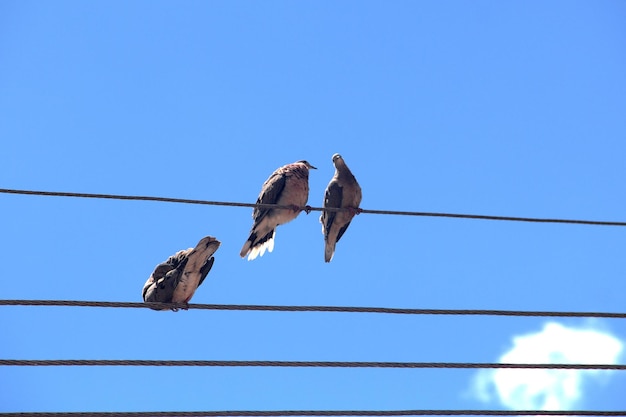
x=324, y=309
x=322, y=413
x=304, y=364
x=309, y=208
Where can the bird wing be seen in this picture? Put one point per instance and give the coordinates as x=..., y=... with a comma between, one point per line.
x=163, y=281
x=343, y=230
x=332, y=198
x=204, y=271
x=194, y=268
x=270, y=194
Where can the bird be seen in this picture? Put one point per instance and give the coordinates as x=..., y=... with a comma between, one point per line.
x=343, y=191
x=176, y=279
x=287, y=186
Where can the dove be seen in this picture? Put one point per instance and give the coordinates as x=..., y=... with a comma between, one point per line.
x=176, y=279
x=343, y=191
x=287, y=186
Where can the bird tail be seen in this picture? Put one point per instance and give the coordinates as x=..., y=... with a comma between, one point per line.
x=329, y=251
x=246, y=247
x=256, y=247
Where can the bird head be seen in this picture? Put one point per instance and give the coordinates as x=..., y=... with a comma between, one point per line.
x=306, y=163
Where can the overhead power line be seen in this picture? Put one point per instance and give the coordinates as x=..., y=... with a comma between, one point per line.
x=309, y=208
x=319, y=309
x=304, y=364
x=322, y=413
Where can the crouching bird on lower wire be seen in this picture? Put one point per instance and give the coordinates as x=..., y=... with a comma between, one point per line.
x=287, y=186
x=176, y=279
x=343, y=191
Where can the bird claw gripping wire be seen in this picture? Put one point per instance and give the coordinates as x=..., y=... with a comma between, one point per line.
x=308, y=209
x=185, y=306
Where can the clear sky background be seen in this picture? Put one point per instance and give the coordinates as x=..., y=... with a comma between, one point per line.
x=487, y=107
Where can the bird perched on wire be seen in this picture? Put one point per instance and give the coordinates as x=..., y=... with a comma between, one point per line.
x=287, y=186
x=176, y=280
x=343, y=191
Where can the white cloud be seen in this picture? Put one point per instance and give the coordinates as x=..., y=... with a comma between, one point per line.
x=547, y=389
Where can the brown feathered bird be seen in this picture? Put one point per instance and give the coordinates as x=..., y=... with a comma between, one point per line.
x=287, y=186
x=343, y=191
x=178, y=278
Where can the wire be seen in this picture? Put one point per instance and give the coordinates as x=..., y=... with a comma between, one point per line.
x=267, y=413
x=325, y=309
x=310, y=309
x=309, y=208
x=303, y=364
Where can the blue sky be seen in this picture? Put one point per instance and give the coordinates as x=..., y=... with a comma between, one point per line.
x=486, y=107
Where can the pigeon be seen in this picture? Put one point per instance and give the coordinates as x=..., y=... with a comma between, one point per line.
x=176, y=280
x=287, y=186
x=343, y=191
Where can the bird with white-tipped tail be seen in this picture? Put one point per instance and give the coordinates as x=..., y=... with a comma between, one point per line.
x=177, y=279
x=287, y=186
x=343, y=191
